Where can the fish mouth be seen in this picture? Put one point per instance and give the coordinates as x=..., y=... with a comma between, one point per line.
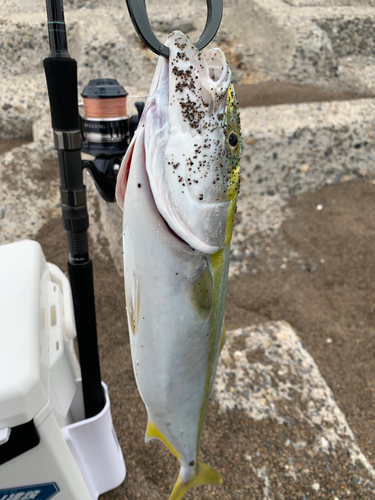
x=217, y=65
x=217, y=68
x=217, y=80
x=189, y=66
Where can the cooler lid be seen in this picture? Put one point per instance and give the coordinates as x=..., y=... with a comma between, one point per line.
x=23, y=386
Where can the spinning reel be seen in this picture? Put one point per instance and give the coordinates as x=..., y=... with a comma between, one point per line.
x=106, y=131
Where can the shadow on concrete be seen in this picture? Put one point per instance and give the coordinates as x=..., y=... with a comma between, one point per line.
x=8, y=144
x=272, y=93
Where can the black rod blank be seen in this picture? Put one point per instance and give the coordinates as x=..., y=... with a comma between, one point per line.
x=61, y=76
x=81, y=280
x=56, y=29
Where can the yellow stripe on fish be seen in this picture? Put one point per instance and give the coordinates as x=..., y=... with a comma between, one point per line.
x=233, y=142
x=218, y=272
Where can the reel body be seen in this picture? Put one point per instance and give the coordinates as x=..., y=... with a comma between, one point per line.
x=106, y=131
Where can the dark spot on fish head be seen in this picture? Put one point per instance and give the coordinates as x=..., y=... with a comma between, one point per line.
x=139, y=185
x=192, y=463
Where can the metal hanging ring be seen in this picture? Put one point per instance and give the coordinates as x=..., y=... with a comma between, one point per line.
x=139, y=17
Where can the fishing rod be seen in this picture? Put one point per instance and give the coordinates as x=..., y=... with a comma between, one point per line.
x=104, y=132
x=61, y=75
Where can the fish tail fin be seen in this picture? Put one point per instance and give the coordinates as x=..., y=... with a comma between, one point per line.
x=205, y=475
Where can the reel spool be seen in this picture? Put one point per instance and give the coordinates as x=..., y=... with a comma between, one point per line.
x=105, y=124
x=107, y=131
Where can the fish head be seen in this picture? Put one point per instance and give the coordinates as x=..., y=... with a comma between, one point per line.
x=192, y=144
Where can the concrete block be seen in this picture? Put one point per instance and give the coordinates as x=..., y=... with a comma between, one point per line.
x=24, y=44
x=330, y=3
x=263, y=39
x=22, y=101
x=285, y=42
x=290, y=149
x=266, y=372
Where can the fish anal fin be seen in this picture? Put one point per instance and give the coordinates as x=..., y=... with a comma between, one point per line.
x=205, y=475
x=223, y=337
x=152, y=432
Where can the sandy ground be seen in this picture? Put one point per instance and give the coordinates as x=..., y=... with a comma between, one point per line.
x=326, y=293
x=315, y=272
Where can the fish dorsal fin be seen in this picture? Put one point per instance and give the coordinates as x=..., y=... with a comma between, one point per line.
x=205, y=475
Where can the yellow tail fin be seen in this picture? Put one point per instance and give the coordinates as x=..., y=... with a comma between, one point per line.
x=205, y=475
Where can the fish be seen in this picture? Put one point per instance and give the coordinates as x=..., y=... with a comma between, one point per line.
x=178, y=186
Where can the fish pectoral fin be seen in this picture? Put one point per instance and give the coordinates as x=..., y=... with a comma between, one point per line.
x=152, y=432
x=223, y=337
x=205, y=475
x=132, y=298
x=123, y=174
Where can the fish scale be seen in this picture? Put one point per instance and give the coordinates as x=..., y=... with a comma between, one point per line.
x=176, y=237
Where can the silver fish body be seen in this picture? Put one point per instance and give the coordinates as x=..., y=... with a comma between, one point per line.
x=178, y=186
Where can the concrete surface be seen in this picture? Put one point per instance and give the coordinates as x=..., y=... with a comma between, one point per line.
x=287, y=149
x=267, y=372
x=330, y=3
x=264, y=371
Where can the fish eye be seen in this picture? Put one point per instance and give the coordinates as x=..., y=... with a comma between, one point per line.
x=233, y=139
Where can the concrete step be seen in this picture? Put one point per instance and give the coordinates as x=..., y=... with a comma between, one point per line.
x=295, y=148
x=322, y=43
x=305, y=42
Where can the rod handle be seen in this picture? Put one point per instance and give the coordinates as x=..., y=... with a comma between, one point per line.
x=61, y=76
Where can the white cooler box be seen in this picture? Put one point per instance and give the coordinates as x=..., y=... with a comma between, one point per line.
x=47, y=448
